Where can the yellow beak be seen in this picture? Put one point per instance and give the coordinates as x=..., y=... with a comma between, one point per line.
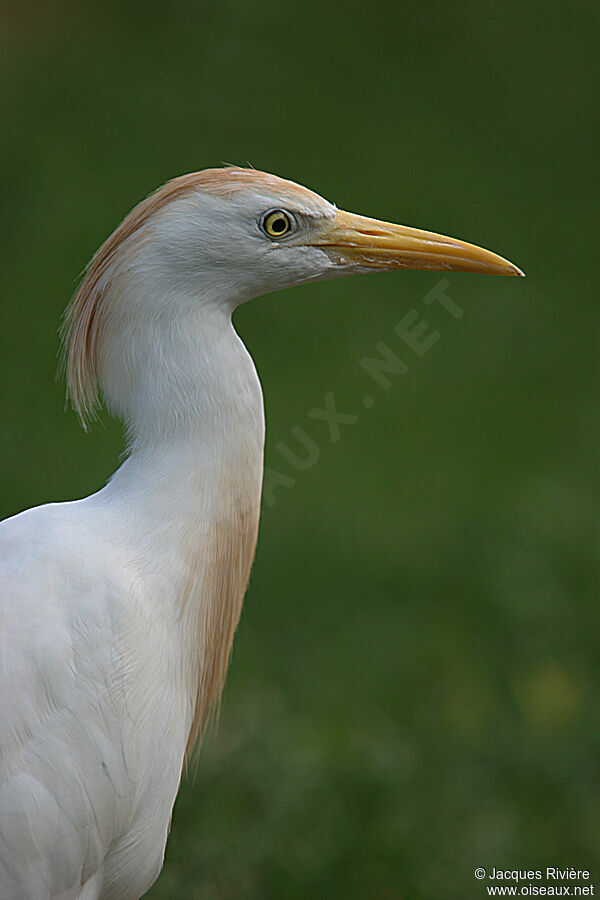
x=357, y=240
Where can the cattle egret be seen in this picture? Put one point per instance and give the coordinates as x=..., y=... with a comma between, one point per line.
x=119, y=610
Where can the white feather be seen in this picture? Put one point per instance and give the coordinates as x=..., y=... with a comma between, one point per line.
x=103, y=599
x=118, y=611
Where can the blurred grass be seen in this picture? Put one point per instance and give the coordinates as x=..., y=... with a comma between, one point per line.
x=414, y=682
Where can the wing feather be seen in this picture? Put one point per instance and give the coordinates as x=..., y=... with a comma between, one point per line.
x=66, y=793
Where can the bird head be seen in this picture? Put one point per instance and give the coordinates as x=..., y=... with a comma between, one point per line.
x=238, y=233
x=220, y=237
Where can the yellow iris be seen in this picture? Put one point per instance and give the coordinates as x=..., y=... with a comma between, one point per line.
x=277, y=223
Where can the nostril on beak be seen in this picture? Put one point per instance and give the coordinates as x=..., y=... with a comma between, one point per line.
x=372, y=233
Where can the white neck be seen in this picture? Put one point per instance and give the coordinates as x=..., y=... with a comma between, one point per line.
x=193, y=478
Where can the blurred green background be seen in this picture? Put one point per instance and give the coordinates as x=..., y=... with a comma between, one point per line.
x=413, y=691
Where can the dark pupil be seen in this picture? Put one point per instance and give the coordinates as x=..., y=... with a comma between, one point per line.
x=278, y=225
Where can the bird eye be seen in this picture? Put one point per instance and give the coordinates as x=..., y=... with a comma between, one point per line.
x=276, y=223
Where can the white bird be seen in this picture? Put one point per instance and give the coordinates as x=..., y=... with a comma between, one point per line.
x=118, y=610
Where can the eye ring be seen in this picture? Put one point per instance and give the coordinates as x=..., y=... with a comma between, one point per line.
x=277, y=223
